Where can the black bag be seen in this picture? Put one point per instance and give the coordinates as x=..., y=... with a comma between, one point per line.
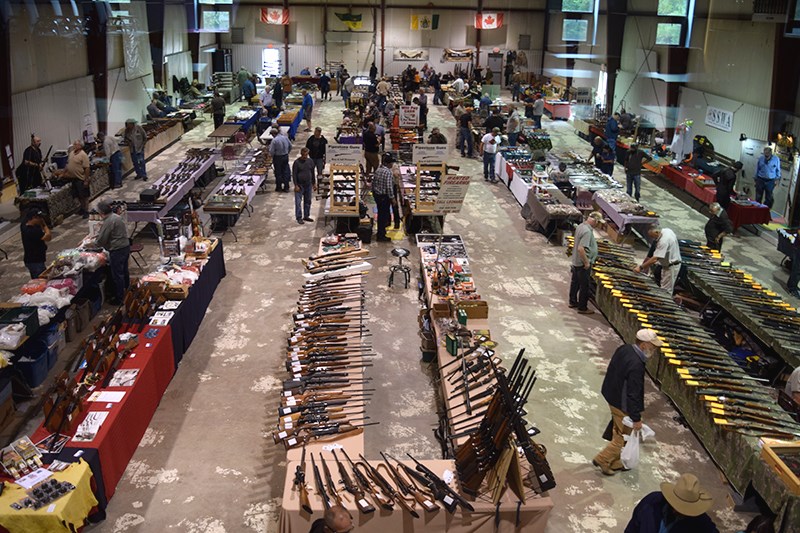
x=608, y=434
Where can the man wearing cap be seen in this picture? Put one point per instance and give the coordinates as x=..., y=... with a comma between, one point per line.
x=725, y=180
x=583, y=257
x=383, y=192
x=623, y=389
x=113, y=236
x=488, y=149
x=279, y=149
x=135, y=137
x=667, y=253
x=304, y=186
x=35, y=236
x=768, y=174
x=679, y=507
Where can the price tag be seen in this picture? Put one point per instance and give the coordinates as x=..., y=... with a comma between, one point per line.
x=292, y=441
x=282, y=435
x=287, y=419
x=287, y=425
x=301, y=317
x=78, y=453
x=448, y=500
x=286, y=410
x=293, y=339
x=287, y=393
x=51, y=508
x=291, y=401
x=363, y=503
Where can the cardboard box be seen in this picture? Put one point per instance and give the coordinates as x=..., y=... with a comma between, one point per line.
x=769, y=453
x=475, y=308
x=441, y=310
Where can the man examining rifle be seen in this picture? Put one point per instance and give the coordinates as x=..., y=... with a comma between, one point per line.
x=667, y=253
x=623, y=389
x=337, y=520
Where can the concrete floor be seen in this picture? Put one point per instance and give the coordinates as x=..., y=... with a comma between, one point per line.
x=207, y=463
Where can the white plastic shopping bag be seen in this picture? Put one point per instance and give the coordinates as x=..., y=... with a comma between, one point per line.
x=630, y=453
x=645, y=433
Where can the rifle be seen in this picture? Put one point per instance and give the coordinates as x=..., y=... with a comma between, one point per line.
x=61, y=387
x=331, y=486
x=353, y=488
x=319, y=485
x=441, y=490
x=323, y=431
x=364, y=484
x=387, y=487
x=299, y=483
x=409, y=487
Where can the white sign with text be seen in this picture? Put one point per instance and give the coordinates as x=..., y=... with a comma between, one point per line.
x=409, y=116
x=344, y=154
x=719, y=118
x=429, y=154
x=451, y=195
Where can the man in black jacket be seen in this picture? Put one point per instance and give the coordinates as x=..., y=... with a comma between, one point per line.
x=725, y=180
x=717, y=227
x=623, y=389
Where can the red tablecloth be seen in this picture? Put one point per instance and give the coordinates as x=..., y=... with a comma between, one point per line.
x=127, y=420
x=748, y=214
x=707, y=195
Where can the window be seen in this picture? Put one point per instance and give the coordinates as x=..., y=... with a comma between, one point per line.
x=216, y=21
x=577, y=6
x=668, y=34
x=672, y=8
x=575, y=30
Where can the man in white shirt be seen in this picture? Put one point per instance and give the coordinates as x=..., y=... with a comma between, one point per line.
x=667, y=254
x=489, y=144
x=792, y=389
x=458, y=86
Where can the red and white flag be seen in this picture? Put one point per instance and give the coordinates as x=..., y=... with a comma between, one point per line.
x=274, y=15
x=488, y=21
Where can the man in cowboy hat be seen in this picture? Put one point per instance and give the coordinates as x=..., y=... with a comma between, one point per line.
x=623, y=389
x=680, y=506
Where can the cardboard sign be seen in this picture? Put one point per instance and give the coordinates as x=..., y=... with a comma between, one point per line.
x=409, y=116
x=429, y=154
x=451, y=195
x=344, y=154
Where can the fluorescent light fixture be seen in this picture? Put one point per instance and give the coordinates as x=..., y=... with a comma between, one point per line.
x=576, y=56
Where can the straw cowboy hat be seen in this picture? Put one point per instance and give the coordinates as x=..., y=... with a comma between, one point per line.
x=686, y=496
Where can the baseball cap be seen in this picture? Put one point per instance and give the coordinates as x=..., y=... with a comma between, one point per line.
x=648, y=335
x=495, y=130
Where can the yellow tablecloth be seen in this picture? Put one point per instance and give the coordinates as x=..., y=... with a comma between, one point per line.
x=70, y=510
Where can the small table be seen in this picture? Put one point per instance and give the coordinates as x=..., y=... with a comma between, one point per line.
x=224, y=132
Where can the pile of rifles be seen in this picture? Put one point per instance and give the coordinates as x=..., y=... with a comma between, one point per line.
x=326, y=354
x=734, y=400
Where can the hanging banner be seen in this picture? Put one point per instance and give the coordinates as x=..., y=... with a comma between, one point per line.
x=488, y=21
x=344, y=154
x=409, y=116
x=429, y=154
x=353, y=22
x=412, y=54
x=274, y=15
x=457, y=54
x=424, y=22
x=451, y=195
x=719, y=119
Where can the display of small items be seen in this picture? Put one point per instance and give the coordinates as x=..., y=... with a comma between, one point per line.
x=43, y=494
x=429, y=181
x=340, y=243
x=537, y=139
x=344, y=187
x=20, y=458
x=172, y=181
x=624, y=203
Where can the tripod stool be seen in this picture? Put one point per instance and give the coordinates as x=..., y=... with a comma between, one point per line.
x=400, y=253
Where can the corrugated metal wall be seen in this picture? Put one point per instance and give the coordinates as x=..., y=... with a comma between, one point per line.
x=748, y=119
x=127, y=99
x=301, y=56
x=247, y=55
x=645, y=97
x=43, y=112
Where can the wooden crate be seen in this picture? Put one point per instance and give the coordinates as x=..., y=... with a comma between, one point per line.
x=769, y=453
x=617, y=237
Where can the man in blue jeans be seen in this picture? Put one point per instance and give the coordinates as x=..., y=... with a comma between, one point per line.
x=768, y=174
x=111, y=150
x=488, y=148
x=303, y=172
x=465, y=129
x=279, y=149
x=136, y=138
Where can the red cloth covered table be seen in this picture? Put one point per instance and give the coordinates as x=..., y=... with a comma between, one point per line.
x=741, y=215
x=127, y=420
x=707, y=195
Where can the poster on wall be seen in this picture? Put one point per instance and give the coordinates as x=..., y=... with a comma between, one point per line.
x=409, y=116
x=411, y=54
x=457, y=54
x=719, y=119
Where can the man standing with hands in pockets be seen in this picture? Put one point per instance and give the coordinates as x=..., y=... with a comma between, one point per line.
x=303, y=172
x=584, y=254
x=489, y=144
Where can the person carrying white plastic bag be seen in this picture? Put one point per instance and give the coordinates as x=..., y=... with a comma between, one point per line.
x=630, y=453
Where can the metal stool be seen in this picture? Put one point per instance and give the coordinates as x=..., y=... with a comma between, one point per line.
x=400, y=253
x=137, y=249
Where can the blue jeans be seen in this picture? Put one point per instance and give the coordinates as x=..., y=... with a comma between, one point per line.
x=537, y=121
x=119, y=270
x=437, y=96
x=633, y=182
x=116, y=169
x=381, y=102
x=512, y=138
x=304, y=194
x=488, y=166
x=138, y=164
x=35, y=269
x=466, y=136
x=764, y=188
x=612, y=144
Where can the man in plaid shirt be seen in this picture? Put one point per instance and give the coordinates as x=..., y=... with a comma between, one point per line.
x=383, y=192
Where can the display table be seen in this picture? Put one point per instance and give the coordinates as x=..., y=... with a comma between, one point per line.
x=224, y=132
x=68, y=514
x=560, y=209
x=152, y=216
x=226, y=209
x=245, y=124
x=59, y=203
x=531, y=517
x=622, y=220
x=292, y=120
x=682, y=176
x=153, y=146
x=557, y=109
x=749, y=213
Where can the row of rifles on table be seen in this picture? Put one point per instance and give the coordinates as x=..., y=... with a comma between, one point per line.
x=326, y=354
x=389, y=484
x=735, y=400
x=99, y=356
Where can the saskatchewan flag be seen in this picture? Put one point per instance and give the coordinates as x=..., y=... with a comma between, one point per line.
x=424, y=22
x=350, y=20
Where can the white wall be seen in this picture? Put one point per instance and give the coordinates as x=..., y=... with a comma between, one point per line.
x=126, y=99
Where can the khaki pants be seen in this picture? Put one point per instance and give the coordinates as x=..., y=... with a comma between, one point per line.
x=669, y=275
x=610, y=455
x=372, y=162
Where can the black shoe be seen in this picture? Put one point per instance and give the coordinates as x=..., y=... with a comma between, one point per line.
x=308, y=219
x=585, y=312
x=573, y=306
x=383, y=239
x=144, y=178
x=278, y=189
x=300, y=221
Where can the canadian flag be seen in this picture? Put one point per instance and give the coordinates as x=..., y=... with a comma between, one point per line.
x=488, y=21
x=274, y=15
